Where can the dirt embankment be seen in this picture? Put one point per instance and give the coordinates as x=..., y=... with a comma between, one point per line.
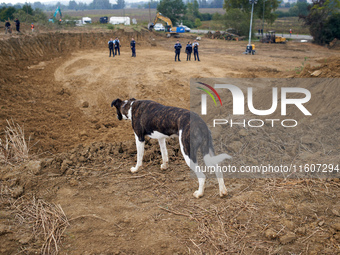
x=30, y=94
x=18, y=53
x=46, y=46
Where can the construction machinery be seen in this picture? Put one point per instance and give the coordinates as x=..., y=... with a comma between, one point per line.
x=169, y=29
x=55, y=15
x=103, y=20
x=272, y=38
x=250, y=49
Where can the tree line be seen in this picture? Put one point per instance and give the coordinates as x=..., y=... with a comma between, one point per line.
x=25, y=13
x=322, y=16
x=295, y=10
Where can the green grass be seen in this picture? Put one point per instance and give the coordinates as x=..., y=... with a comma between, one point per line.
x=283, y=9
x=281, y=25
x=213, y=25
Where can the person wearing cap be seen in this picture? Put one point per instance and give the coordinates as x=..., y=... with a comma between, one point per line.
x=195, y=46
x=32, y=27
x=117, y=46
x=177, y=47
x=110, y=45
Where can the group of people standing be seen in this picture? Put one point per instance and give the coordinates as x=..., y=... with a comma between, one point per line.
x=114, y=48
x=188, y=50
x=8, y=28
x=115, y=44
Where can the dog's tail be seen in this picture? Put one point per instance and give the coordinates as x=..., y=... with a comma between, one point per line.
x=210, y=159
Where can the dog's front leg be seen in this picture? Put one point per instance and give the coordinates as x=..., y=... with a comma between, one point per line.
x=164, y=151
x=140, y=154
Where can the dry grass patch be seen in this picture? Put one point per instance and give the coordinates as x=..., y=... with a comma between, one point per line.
x=14, y=148
x=47, y=222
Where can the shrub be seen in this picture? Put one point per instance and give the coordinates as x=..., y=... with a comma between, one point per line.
x=239, y=20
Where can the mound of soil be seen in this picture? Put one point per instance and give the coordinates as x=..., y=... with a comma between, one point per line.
x=335, y=44
x=329, y=68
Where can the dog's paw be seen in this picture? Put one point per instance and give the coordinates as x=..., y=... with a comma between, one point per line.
x=198, y=194
x=133, y=169
x=164, y=166
x=223, y=192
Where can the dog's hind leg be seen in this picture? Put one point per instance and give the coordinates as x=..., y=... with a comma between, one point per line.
x=201, y=181
x=164, y=151
x=221, y=185
x=192, y=163
x=140, y=154
x=213, y=161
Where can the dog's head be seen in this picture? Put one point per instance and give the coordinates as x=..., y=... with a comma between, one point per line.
x=123, y=108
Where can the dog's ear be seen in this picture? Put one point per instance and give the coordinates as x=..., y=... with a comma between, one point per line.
x=117, y=103
x=133, y=99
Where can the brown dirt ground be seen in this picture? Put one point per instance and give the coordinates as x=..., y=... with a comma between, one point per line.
x=59, y=86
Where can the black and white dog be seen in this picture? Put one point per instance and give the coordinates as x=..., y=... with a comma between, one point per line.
x=160, y=122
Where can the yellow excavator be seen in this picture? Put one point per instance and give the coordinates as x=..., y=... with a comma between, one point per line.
x=272, y=38
x=168, y=28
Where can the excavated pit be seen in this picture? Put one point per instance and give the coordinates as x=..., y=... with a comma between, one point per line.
x=59, y=87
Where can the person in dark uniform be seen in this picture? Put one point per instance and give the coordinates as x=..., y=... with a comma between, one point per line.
x=177, y=47
x=195, y=46
x=117, y=46
x=188, y=50
x=17, y=25
x=110, y=45
x=133, y=47
x=7, y=27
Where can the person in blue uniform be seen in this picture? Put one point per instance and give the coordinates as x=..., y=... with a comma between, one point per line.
x=117, y=46
x=177, y=47
x=195, y=46
x=110, y=45
x=188, y=51
x=133, y=47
